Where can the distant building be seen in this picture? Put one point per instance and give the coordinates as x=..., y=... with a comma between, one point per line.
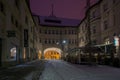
x=62, y=38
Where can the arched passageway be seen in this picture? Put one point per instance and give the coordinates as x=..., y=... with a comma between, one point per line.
x=52, y=53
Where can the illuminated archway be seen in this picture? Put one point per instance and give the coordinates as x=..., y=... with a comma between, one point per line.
x=52, y=53
x=13, y=53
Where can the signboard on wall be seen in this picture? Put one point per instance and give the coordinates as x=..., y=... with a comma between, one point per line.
x=25, y=37
x=11, y=34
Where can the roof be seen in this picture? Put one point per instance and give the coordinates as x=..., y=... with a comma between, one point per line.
x=56, y=21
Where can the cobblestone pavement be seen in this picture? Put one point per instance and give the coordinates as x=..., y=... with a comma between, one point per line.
x=60, y=70
x=27, y=71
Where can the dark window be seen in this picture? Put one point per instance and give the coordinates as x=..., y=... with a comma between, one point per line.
x=17, y=3
x=75, y=41
x=94, y=42
x=45, y=41
x=12, y=19
x=69, y=31
x=52, y=21
x=49, y=32
x=93, y=14
x=105, y=7
x=72, y=41
x=105, y=25
x=114, y=1
x=1, y=7
x=53, y=32
x=39, y=30
x=72, y=31
x=60, y=32
x=69, y=41
x=31, y=29
x=53, y=41
x=40, y=40
x=65, y=31
x=16, y=23
x=49, y=41
x=94, y=30
x=56, y=31
x=45, y=31
x=26, y=20
x=114, y=19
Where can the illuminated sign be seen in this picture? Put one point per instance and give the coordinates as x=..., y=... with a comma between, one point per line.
x=116, y=41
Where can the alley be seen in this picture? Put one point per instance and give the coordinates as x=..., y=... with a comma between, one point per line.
x=60, y=70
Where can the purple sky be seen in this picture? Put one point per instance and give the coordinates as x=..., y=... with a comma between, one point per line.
x=71, y=9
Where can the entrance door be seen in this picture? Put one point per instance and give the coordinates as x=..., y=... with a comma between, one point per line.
x=0, y=51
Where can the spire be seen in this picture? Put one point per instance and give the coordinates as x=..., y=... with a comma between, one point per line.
x=52, y=6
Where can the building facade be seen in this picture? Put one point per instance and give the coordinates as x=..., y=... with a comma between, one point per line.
x=58, y=39
x=104, y=25
x=16, y=32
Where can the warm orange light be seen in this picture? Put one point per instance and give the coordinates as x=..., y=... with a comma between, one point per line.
x=24, y=53
x=39, y=55
x=52, y=55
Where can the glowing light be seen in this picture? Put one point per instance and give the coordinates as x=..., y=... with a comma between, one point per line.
x=116, y=41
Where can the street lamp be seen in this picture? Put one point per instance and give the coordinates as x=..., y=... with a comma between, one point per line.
x=64, y=41
x=63, y=45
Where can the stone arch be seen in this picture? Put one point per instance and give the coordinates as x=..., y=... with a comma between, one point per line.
x=52, y=53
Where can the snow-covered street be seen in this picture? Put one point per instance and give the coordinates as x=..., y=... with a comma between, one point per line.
x=60, y=70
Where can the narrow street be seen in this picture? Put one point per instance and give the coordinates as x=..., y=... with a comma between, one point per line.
x=28, y=71
x=60, y=70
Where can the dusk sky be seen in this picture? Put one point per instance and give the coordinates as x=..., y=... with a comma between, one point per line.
x=71, y=9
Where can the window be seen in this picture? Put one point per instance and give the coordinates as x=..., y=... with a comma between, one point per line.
x=105, y=25
x=60, y=31
x=69, y=41
x=17, y=3
x=94, y=30
x=114, y=1
x=45, y=41
x=114, y=19
x=16, y=23
x=56, y=31
x=40, y=40
x=31, y=29
x=1, y=7
x=53, y=41
x=105, y=7
x=94, y=42
x=69, y=31
x=45, y=31
x=93, y=14
x=65, y=31
x=12, y=19
x=49, y=41
x=39, y=30
x=53, y=32
x=26, y=20
x=49, y=32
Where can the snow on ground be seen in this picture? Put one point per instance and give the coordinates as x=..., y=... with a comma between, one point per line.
x=60, y=70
